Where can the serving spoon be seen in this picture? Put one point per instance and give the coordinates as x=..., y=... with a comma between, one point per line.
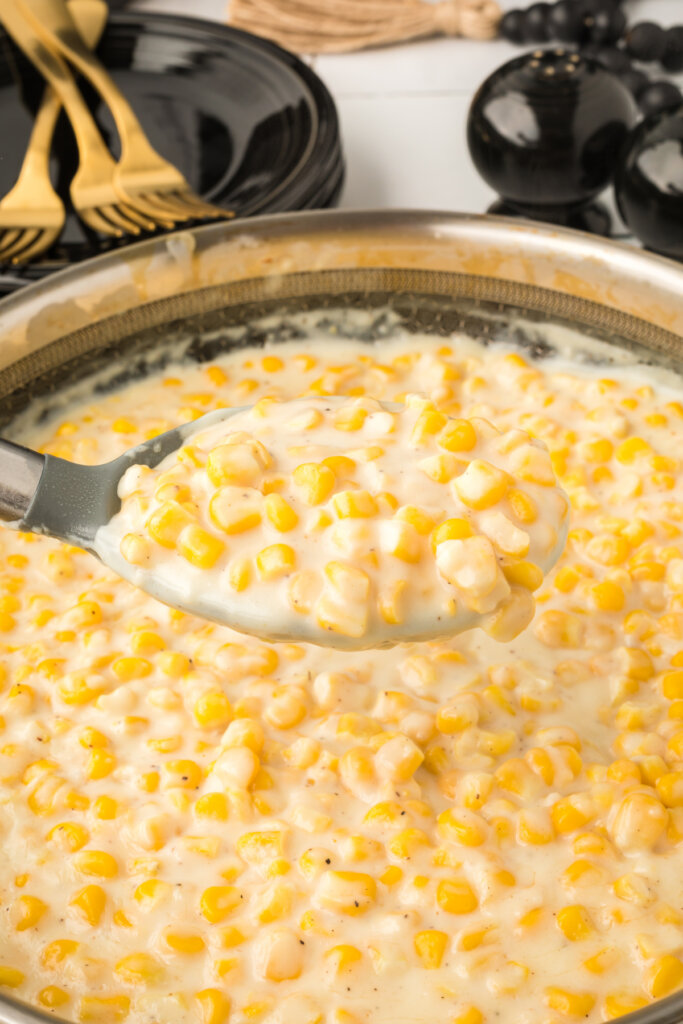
x=48, y=495
x=75, y=503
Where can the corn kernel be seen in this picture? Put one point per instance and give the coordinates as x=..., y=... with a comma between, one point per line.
x=275, y=561
x=456, y=896
x=314, y=482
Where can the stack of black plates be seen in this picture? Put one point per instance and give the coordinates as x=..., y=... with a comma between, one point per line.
x=251, y=127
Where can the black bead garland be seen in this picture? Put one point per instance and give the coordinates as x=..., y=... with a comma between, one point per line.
x=565, y=21
x=658, y=97
x=512, y=25
x=672, y=59
x=536, y=23
x=596, y=27
x=645, y=41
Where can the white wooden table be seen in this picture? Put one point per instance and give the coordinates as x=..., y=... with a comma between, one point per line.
x=403, y=110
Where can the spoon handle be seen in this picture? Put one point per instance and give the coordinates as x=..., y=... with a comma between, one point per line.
x=20, y=471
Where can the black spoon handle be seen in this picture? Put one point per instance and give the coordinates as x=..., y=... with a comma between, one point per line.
x=20, y=472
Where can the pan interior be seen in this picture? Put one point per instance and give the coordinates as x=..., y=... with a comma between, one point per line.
x=199, y=324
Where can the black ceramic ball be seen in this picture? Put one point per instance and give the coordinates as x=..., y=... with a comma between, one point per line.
x=544, y=129
x=649, y=183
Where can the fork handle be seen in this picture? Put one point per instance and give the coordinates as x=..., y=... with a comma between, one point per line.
x=52, y=20
x=20, y=472
x=55, y=72
x=37, y=157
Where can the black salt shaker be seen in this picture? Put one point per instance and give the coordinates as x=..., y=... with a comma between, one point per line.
x=544, y=131
x=649, y=183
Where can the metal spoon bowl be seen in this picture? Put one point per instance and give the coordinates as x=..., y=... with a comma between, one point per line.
x=74, y=503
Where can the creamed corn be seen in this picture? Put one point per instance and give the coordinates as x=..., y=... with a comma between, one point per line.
x=200, y=827
x=355, y=524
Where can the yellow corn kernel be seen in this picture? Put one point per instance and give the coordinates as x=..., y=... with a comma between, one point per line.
x=640, y=821
x=68, y=836
x=524, y=574
x=27, y=912
x=52, y=997
x=145, y=642
x=280, y=513
x=149, y=782
x=275, y=561
x=672, y=685
x=218, y=901
x=451, y=529
x=462, y=826
x=272, y=364
x=139, y=969
x=669, y=787
x=567, y=816
x=167, y=522
x=617, y=1004
x=631, y=449
x=407, y=842
x=184, y=773
x=55, y=953
x=416, y=518
x=314, y=482
x=469, y=1015
x=152, y=892
x=457, y=436
x=200, y=547
x=390, y=604
x=441, y=468
x=600, y=450
x=569, y=1004
x=574, y=922
x=135, y=549
x=664, y=976
x=233, y=517
x=128, y=668
x=212, y=805
x=103, y=1010
x=402, y=540
x=481, y=485
x=391, y=875
x=566, y=579
x=217, y=376
x=100, y=764
x=215, y=1004
x=342, y=957
x=174, y=664
x=456, y=896
x=96, y=862
x=212, y=710
x=354, y=505
x=10, y=977
x=522, y=506
x=184, y=943
x=430, y=946
x=350, y=418
x=608, y=596
x=347, y=892
x=90, y=903
x=257, y=847
x=240, y=464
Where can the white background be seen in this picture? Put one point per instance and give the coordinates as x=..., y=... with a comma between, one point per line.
x=403, y=110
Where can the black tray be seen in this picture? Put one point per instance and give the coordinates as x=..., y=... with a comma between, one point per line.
x=250, y=126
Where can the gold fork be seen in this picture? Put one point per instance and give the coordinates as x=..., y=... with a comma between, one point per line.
x=31, y=213
x=155, y=184
x=92, y=190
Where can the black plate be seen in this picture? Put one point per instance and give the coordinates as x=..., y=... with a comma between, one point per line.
x=250, y=126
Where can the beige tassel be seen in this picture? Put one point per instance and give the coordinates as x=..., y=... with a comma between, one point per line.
x=338, y=26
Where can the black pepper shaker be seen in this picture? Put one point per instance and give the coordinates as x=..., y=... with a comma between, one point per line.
x=649, y=183
x=544, y=130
